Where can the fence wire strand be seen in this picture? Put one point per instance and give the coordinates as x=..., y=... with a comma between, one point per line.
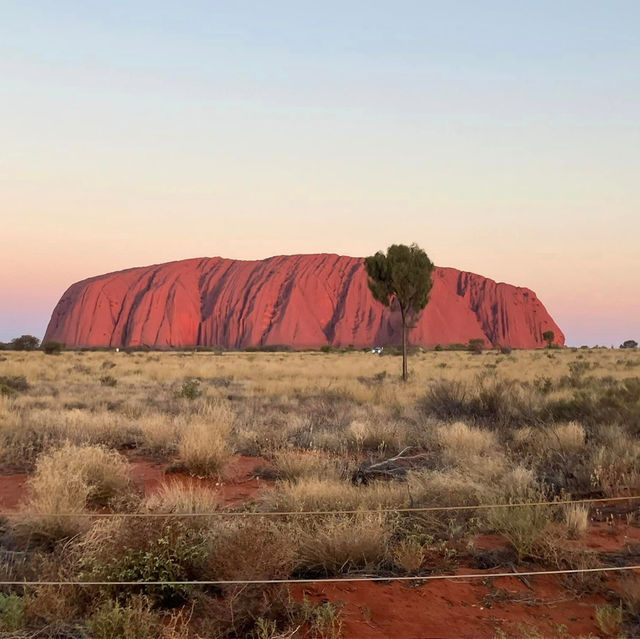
x=296, y=513
x=325, y=580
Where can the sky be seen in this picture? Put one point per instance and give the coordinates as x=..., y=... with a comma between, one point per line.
x=501, y=136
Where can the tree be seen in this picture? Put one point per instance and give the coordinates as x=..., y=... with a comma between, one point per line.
x=401, y=279
x=25, y=343
x=630, y=343
x=548, y=337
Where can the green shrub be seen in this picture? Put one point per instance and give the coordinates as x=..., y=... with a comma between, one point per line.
x=146, y=550
x=521, y=525
x=609, y=619
x=190, y=388
x=53, y=348
x=324, y=620
x=11, y=612
x=133, y=620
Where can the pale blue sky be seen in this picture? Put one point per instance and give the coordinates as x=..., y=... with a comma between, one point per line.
x=501, y=136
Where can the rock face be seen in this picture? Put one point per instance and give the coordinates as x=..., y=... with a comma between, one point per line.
x=303, y=301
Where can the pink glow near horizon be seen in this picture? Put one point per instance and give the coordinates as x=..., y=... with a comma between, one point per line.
x=589, y=299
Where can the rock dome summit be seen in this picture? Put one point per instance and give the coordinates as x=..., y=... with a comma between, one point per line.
x=301, y=301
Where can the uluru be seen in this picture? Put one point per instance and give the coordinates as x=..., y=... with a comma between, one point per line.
x=301, y=301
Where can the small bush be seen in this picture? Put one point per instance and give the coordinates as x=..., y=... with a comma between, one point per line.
x=409, y=555
x=629, y=589
x=576, y=517
x=190, y=388
x=133, y=620
x=324, y=620
x=11, y=612
x=497, y=402
x=609, y=619
x=337, y=545
x=446, y=399
x=146, y=550
x=108, y=380
x=53, y=348
x=250, y=548
x=521, y=525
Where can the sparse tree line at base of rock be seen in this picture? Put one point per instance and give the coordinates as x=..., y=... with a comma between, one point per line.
x=474, y=345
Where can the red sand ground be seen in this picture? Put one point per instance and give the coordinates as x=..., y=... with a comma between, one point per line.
x=12, y=490
x=457, y=609
x=237, y=486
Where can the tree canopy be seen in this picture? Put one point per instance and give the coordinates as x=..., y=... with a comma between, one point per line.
x=401, y=278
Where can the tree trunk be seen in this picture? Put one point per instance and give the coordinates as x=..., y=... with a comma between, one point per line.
x=404, y=347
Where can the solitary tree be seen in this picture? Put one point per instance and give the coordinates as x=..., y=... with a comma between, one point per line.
x=548, y=337
x=401, y=279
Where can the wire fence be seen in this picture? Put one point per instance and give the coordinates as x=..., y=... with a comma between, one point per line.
x=326, y=580
x=346, y=579
x=310, y=513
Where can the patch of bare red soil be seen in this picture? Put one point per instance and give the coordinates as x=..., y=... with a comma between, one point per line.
x=238, y=484
x=610, y=537
x=492, y=541
x=12, y=490
x=460, y=609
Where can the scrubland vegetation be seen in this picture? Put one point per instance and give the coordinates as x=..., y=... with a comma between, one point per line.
x=470, y=430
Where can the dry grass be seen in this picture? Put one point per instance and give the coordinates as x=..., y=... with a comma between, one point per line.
x=66, y=482
x=182, y=497
x=335, y=545
x=409, y=555
x=521, y=525
x=460, y=442
x=315, y=494
x=294, y=465
x=203, y=447
x=492, y=428
x=576, y=518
